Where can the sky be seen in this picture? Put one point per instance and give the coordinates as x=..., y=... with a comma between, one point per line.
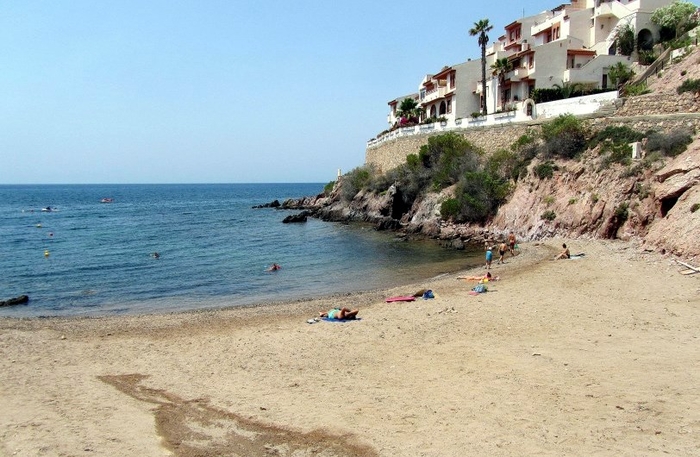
x=208, y=91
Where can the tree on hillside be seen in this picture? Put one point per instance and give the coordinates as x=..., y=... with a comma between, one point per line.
x=619, y=74
x=677, y=17
x=625, y=39
x=500, y=68
x=481, y=29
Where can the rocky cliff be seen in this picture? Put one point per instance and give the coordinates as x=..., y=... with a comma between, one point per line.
x=654, y=202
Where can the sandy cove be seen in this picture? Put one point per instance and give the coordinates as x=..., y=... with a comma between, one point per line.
x=597, y=356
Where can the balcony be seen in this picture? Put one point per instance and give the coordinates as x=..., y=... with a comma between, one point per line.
x=610, y=8
x=436, y=94
x=518, y=74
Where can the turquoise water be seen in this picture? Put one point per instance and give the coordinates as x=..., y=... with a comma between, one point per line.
x=92, y=258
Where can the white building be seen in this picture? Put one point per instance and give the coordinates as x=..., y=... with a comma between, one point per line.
x=572, y=43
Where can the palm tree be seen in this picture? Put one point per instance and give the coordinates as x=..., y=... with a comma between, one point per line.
x=500, y=68
x=407, y=108
x=481, y=28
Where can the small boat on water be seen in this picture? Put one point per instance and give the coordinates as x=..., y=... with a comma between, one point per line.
x=106, y=200
x=48, y=209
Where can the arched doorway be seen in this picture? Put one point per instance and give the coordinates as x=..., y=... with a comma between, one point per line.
x=443, y=108
x=432, y=111
x=645, y=40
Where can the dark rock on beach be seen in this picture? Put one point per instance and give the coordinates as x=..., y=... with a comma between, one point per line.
x=21, y=300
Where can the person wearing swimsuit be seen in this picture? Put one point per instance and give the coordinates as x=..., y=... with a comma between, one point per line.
x=340, y=313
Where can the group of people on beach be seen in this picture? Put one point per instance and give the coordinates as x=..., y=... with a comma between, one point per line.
x=505, y=246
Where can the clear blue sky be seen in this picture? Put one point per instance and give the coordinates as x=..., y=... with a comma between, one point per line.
x=216, y=91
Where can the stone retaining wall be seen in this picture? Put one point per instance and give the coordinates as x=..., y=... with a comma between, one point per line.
x=659, y=104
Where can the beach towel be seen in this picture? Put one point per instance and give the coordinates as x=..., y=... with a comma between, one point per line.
x=576, y=256
x=478, y=289
x=401, y=298
x=328, y=319
x=342, y=321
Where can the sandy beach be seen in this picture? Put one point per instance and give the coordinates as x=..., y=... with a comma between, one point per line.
x=597, y=356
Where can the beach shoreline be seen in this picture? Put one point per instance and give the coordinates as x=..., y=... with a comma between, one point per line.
x=576, y=357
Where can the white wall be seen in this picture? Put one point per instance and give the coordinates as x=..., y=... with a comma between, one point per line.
x=577, y=106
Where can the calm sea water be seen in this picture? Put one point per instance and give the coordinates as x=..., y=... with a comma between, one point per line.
x=93, y=258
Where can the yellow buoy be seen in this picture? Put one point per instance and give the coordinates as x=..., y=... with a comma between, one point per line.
x=46, y=253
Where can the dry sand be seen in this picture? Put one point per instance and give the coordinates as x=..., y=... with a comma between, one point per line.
x=590, y=357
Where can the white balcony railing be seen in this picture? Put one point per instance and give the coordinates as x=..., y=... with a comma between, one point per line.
x=435, y=94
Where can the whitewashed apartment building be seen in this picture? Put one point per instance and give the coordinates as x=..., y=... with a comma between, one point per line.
x=571, y=43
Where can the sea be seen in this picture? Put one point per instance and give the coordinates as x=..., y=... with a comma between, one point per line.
x=86, y=257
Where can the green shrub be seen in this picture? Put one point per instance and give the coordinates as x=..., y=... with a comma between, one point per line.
x=635, y=90
x=647, y=57
x=616, y=135
x=478, y=195
x=356, y=180
x=622, y=212
x=695, y=207
x=503, y=163
x=328, y=188
x=572, y=201
x=595, y=198
x=448, y=156
x=620, y=74
x=642, y=190
x=633, y=170
x=564, y=136
x=546, y=95
x=548, y=215
x=548, y=200
x=670, y=144
x=544, y=170
x=450, y=208
x=689, y=85
x=617, y=153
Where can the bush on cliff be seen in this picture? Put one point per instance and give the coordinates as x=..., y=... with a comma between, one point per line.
x=616, y=135
x=477, y=197
x=565, y=136
x=689, y=85
x=357, y=179
x=448, y=157
x=670, y=144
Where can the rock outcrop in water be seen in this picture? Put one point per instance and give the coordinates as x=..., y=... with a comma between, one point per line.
x=21, y=300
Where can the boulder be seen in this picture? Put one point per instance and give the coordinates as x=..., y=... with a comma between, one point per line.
x=301, y=217
x=21, y=300
x=272, y=204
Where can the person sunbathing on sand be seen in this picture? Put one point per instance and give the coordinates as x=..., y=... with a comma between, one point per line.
x=340, y=313
x=486, y=277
